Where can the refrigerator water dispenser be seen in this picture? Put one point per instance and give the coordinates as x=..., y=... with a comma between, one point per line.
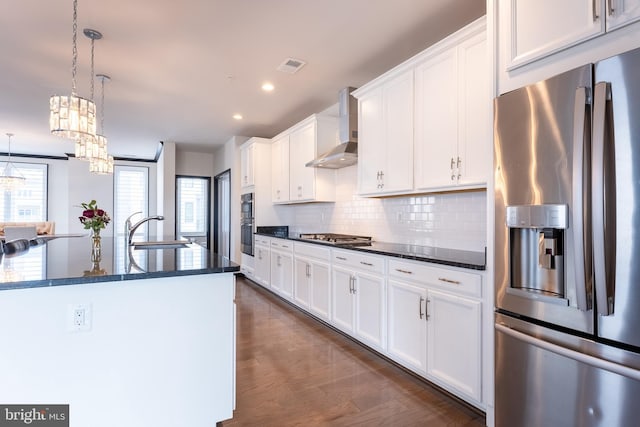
x=537, y=249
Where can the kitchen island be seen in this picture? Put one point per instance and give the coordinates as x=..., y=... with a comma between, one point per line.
x=140, y=340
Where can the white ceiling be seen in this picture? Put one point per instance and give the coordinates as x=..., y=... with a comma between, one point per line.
x=181, y=68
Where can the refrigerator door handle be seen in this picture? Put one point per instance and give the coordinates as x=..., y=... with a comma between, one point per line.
x=582, y=249
x=602, y=94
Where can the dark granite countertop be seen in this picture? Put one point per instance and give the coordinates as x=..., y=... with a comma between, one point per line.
x=67, y=261
x=451, y=257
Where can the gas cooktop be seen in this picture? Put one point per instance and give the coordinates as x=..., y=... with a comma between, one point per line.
x=337, y=239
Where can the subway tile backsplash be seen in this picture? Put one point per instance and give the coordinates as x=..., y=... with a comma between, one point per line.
x=449, y=220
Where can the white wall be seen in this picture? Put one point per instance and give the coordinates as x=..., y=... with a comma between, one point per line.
x=166, y=177
x=228, y=157
x=450, y=220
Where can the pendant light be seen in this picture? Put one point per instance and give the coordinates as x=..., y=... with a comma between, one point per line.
x=87, y=145
x=102, y=163
x=11, y=178
x=71, y=116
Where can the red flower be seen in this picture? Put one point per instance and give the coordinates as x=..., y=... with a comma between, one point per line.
x=88, y=213
x=100, y=212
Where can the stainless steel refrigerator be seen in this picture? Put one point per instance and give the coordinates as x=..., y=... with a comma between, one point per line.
x=567, y=262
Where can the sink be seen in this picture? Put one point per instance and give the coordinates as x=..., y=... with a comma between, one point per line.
x=161, y=244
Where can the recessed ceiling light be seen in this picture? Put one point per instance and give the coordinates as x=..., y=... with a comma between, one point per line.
x=267, y=87
x=237, y=116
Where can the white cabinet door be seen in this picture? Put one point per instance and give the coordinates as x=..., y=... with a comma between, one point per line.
x=301, y=283
x=342, y=302
x=371, y=155
x=247, y=165
x=280, y=170
x=302, y=149
x=537, y=28
x=454, y=327
x=262, y=269
x=320, y=295
x=276, y=272
x=369, y=293
x=286, y=265
x=475, y=113
x=406, y=325
x=385, y=131
x=436, y=121
x=622, y=12
x=398, y=102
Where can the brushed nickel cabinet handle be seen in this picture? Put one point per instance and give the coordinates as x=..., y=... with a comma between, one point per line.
x=420, y=308
x=366, y=263
x=341, y=258
x=399, y=270
x=426, y=309
x=442, y=279
x=594, y=10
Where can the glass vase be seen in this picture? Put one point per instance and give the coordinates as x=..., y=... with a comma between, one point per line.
x=96, y=247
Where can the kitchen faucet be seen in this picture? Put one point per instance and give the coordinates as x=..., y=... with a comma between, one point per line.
x=129, y=230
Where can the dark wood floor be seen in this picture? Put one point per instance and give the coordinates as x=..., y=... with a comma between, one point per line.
x=294, y=371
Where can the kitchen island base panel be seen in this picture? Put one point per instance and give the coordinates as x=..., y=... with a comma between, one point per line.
x=155, y=352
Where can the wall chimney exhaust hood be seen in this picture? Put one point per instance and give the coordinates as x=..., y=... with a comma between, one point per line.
x=346, y=153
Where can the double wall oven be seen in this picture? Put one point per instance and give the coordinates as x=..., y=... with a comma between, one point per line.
x=247, y=221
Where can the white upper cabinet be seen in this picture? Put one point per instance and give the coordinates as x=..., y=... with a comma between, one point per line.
x=622, y=12
x=280, y=170
x=426, y=124
x=385, y=125
x=453, y=117
x=247, y=162
x=538, y=28
x=293, y=182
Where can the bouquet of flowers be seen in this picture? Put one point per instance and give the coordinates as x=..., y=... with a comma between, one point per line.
x=94, y=218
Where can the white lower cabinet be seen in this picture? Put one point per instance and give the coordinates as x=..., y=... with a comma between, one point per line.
x=453, y=342
x=358, y=297
x=282, y=267
x=407, y=326
x=312, y=284
x=262, y=262
x=435, y=325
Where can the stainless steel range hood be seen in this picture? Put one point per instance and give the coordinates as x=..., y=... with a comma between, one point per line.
x=346, y=153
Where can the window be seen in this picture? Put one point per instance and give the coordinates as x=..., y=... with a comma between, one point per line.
x=192, y=208
x=131, y=195
x=30, y=202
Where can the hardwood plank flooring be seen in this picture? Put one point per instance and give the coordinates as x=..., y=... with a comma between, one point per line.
x=294, y=371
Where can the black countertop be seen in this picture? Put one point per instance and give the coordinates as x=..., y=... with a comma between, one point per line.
x=451, y=257
x=67, y=261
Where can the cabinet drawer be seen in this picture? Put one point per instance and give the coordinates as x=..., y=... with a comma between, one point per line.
x=314, y=251
x=283, y=245
x=264, y=241
x=358, y=260
x=445, y=279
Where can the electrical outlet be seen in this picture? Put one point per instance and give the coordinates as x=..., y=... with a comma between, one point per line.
x=79, y=317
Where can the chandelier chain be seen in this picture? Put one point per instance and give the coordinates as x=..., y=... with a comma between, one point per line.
x=92, y=72
x=9, y=156
x=102, y=108
x=75, y=47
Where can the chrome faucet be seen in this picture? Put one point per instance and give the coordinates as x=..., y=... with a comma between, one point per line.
x=129, y=230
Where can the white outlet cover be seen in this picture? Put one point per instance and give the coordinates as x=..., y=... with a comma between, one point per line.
x=87, y=314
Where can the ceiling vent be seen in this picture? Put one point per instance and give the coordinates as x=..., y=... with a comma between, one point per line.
x=291, y=65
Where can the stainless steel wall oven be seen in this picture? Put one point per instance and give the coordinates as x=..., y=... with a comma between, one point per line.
x=247, y=222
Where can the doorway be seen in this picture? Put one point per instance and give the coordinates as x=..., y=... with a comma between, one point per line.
x=192, y=208
x=222, y=214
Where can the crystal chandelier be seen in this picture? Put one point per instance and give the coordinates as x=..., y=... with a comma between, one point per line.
x=87, y=146
x=11, y=178
x=71, y=116
x=101, y=163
